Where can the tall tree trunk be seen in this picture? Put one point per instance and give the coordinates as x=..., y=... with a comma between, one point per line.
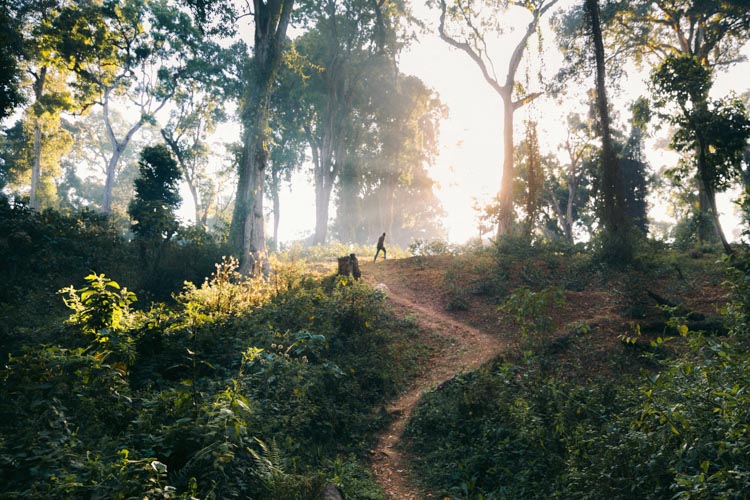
x=118, y=147
x=36, y=166
x=507, y=215
x=348, y=209
x=710, y=195
x=325, y=174
x=247, y=232
x=197, y=209
x=568, y=229
x=323, y=189
x=505, y=91
x=110, y=180
x=613, y=210
x=276, y=218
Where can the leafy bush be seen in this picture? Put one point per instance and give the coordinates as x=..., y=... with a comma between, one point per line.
x=421, y=248
x=244, y=388
x=532, y=312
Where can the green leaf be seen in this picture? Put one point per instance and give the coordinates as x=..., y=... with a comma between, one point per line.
x=159, y=467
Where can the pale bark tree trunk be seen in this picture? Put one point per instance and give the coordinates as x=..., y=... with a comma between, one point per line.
x=564, y=217
x=247, y=234
x=506, y=215
x=276, y=217
x=186, y=174
x=326, y=172
x=210, y=197
x=505, y=91
x=247, y=231
x=36, y=166
x=348, y=208
x=710, y=196
x=118, y=147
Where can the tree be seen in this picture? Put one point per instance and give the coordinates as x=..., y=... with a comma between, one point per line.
x=568, y=186
x=711, y=32
x=288, y=144
x=22, y=161
x=156, y=196
x=384, y=183
x=47, y=79
x=199, y=106
x=86, y=163
x=635, y=180
x=195, y=115
x=533, y=177
x=473, y=21
x=271, y=20
x=717, y=130
x=11, y=39
x=617, y=244
x=347, y=38
x=136, y=49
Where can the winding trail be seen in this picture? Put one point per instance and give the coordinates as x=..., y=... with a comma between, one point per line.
x=468, y=349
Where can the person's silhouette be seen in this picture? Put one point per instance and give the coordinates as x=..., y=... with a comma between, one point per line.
x=381, y=246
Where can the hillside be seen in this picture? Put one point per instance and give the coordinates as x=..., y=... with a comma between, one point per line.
x=457, y=298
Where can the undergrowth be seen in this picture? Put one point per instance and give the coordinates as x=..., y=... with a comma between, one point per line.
x=243, y=389
x=541, y=425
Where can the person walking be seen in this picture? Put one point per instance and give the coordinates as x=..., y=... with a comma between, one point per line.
x=381, y=246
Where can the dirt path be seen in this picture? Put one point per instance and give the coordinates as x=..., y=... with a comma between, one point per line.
x=469, y=349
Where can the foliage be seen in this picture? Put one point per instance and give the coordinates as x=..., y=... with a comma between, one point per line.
x=531, y=430
x=421, y=248
x=156, y=195
x=10, y=38
x=532, y=312
x=243, y=388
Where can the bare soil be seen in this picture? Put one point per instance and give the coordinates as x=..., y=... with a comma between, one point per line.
x=467, y=348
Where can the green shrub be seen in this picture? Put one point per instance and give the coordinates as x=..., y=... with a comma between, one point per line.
x=175, y=400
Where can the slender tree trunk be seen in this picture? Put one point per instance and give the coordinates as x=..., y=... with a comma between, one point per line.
x=174, y=146
x=196, y=202
x=706, y=231
x=118, y=147
x=348, y=209
x=323, y=189
x=572, y=188
x=276, y=218
x=507, y=215
x=36, y=166
x=564, y=218
x=613, y=210
x=505, y=91
x=110, y=180
x=208, y=202
x=325, y=175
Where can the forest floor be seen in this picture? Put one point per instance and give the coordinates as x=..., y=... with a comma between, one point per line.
x=466, y=349
x=419, y=288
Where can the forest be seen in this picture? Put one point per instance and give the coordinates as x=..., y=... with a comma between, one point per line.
x=165, y=332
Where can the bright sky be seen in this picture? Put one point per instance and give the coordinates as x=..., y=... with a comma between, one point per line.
x=469, y=165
